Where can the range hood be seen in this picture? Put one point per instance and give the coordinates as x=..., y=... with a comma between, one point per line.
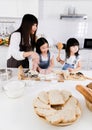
x=83, y=16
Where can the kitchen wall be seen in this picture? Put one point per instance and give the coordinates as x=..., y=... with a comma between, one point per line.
x=53, y=8
x=17, y=8
x=48, y=13
x=50, y=24
x=56, y=29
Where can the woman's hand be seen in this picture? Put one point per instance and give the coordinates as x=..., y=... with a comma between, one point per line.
x=34, y=55
x=35, y=63
x=31, y=54
x=42, y=71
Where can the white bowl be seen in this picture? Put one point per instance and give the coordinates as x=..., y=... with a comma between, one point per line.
x=14, y=89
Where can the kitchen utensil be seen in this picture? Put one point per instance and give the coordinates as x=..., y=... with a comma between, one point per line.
x=59, y=46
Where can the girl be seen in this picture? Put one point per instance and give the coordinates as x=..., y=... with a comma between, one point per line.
x=46, y=59
x=22, y=43
x=72, y=61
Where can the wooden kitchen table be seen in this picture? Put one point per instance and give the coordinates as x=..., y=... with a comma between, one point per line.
x=18, y=113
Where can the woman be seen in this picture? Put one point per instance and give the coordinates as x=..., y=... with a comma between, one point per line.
x=22, y=43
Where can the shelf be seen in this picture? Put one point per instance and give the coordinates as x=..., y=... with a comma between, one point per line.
x=83, y=16
x=9, y=19
x=2, y=21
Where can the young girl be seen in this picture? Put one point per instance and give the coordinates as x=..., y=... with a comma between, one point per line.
x=46, y=59
x=72, y=61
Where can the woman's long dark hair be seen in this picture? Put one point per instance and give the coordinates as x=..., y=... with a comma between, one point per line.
x=27, y=43
x=71, y=42
x=41, y=41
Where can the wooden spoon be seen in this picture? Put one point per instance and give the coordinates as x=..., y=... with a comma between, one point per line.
x=59, y=46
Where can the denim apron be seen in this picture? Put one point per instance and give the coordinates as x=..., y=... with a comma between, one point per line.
x=44, y=64
x=66, y=65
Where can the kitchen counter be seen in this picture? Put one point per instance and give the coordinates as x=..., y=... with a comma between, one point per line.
x=18, y=113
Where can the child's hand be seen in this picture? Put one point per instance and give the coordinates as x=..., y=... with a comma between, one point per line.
x=42, y=71
x=47, y=71
x=70, y=69
x=58, y=59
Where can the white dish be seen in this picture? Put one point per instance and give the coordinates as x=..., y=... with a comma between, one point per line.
x=14, y=89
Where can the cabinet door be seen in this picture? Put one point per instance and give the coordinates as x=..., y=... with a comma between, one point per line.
x=8, y=8
x=27, y=6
